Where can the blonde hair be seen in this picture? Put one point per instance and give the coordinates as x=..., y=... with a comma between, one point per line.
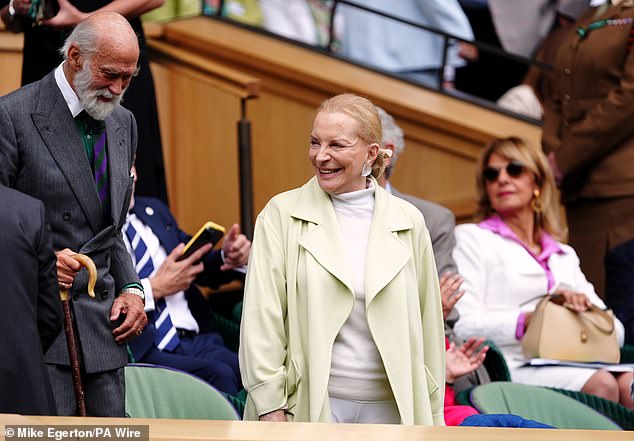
x=518, y=149
x=361, y=110
x=392, y=134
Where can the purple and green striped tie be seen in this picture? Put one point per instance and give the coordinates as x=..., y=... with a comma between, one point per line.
x=93, y=133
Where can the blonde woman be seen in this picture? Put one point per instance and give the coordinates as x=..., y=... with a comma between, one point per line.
x=342, y=317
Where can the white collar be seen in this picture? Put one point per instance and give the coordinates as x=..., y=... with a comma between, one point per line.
x=72, y=101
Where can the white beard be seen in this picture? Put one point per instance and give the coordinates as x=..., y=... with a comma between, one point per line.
x=89, y=97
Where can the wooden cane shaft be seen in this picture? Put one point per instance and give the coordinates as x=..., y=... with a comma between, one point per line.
x=74, y=360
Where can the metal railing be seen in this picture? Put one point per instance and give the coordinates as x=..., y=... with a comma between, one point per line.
x=448, y=38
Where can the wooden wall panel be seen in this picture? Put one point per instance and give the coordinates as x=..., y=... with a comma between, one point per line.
x=281, y=130
x=10, y=61
x=198, y=125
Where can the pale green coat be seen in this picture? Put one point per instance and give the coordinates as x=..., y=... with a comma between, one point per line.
x=299, y=293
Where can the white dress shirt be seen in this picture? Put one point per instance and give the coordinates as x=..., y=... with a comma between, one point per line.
x=177, y=305
x=71, y=98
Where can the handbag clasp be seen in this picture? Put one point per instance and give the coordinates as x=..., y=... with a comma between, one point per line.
x=584, y=337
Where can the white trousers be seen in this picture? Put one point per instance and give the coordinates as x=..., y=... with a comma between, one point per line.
x=364, y=412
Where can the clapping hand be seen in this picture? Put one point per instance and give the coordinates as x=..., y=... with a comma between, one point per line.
x=465, y=359
x=449, y=286
x=236, y=248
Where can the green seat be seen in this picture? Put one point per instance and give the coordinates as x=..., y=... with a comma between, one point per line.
x=228, y=330
x=627, y=354
x=621, y=415
x=539, y=404
x=495, y=364
x=498, y=371
x=159, y=392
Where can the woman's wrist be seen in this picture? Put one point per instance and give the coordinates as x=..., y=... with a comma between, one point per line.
x=276, y=415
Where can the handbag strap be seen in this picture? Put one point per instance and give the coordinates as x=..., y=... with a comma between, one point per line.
x=609, y=321
x=607, y=327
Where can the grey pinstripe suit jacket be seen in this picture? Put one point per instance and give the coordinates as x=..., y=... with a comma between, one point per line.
x=41, y=154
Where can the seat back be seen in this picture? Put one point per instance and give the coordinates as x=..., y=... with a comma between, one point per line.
x=495, y=363
x=160, y=392
x=539, y=404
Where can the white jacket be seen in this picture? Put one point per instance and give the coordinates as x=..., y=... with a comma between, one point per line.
x=499, y=276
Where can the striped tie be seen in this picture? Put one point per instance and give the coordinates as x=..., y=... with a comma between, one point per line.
x=100, y=164
x=94, y=138
x=166, y=337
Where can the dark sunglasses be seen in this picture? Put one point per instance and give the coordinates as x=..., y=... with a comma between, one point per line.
x=513, y=169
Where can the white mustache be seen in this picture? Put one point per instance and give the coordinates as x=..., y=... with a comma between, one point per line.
x=105, y=93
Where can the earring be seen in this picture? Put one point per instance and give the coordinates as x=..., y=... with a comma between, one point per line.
x=536, y=203
x=379, y=163
x=366, y=170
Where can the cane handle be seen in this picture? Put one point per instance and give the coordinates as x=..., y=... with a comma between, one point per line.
x=87, y=263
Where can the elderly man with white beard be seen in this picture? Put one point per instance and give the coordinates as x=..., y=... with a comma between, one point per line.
x=66, y=141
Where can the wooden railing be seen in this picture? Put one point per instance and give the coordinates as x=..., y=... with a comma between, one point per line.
x=185, y=430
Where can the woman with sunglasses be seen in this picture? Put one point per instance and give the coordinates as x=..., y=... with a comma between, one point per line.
x=512, y=257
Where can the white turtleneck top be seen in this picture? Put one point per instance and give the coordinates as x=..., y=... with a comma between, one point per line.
x=357, y=371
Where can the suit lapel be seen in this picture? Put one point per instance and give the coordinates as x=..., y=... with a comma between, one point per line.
x=118, y=174
x=323, y=238
x=387, y=254
x=57, y=128
x=148, y=215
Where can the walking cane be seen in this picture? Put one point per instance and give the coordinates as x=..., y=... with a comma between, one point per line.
x=71, y=343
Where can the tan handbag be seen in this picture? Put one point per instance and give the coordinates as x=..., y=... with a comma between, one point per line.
x=559, y=333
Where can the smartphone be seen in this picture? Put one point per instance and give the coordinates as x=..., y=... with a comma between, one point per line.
x=208, y=233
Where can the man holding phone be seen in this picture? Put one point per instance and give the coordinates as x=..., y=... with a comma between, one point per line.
x=180, y=330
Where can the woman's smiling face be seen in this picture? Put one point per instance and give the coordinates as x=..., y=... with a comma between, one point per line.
x=337, y=153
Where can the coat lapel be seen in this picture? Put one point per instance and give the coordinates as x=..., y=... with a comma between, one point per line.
x=57, y=128
x=387, y=254
x=323, y=238
x=118, y=176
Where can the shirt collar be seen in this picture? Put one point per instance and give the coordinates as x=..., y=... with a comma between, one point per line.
x=549, y=245
x=72, y=101
x=388, y=187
